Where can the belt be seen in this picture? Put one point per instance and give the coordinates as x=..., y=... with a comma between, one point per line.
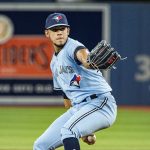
x=91, y=97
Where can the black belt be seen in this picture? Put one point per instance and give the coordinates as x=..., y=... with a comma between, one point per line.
x=91, y=96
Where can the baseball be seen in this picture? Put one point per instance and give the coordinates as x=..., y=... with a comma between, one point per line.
x=92, y=138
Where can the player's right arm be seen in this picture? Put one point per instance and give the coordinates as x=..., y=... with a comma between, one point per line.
x=67, y=102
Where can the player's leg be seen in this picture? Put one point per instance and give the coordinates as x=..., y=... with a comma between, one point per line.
x=51, y=138
x=98, y=114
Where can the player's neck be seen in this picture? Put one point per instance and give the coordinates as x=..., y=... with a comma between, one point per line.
x=57, y=48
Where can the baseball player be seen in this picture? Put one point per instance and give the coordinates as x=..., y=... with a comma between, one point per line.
x=77, y=73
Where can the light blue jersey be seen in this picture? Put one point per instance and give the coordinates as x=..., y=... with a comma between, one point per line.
x=73, y=79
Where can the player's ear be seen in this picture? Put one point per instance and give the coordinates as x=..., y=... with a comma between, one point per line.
x=46, y=33
x=68, y=30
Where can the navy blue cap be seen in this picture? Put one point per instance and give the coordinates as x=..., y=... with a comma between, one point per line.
x=56, y=19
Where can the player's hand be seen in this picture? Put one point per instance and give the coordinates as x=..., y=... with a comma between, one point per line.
x=67, y=103
x=89, y=139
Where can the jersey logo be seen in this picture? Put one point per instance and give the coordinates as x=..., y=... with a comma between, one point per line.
x=57, y=18
x=75, y=81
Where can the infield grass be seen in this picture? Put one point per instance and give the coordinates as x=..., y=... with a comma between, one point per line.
x=20, y=126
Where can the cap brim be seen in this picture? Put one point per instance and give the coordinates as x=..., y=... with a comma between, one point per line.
x=57, y=25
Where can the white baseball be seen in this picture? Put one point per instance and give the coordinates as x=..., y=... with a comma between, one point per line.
x=92, y=138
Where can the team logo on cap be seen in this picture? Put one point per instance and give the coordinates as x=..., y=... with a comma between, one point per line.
x=57, y=18
x=75, y=81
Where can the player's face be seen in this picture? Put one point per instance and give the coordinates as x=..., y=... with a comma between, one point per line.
x=58, y=35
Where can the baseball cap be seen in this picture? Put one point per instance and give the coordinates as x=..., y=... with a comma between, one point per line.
x=56, y=19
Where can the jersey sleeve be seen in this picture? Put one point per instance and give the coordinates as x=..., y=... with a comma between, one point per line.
x=73, y=48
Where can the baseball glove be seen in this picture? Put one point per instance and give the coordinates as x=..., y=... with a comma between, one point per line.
x=103, y=56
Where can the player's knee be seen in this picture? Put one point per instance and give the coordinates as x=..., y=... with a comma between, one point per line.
x=38, y=145
x=67, y=133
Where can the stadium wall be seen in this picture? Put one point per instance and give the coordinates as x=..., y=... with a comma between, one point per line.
x=25, y=77
x=130, y=35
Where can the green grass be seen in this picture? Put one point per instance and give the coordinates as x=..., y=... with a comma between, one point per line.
x=20, y=126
